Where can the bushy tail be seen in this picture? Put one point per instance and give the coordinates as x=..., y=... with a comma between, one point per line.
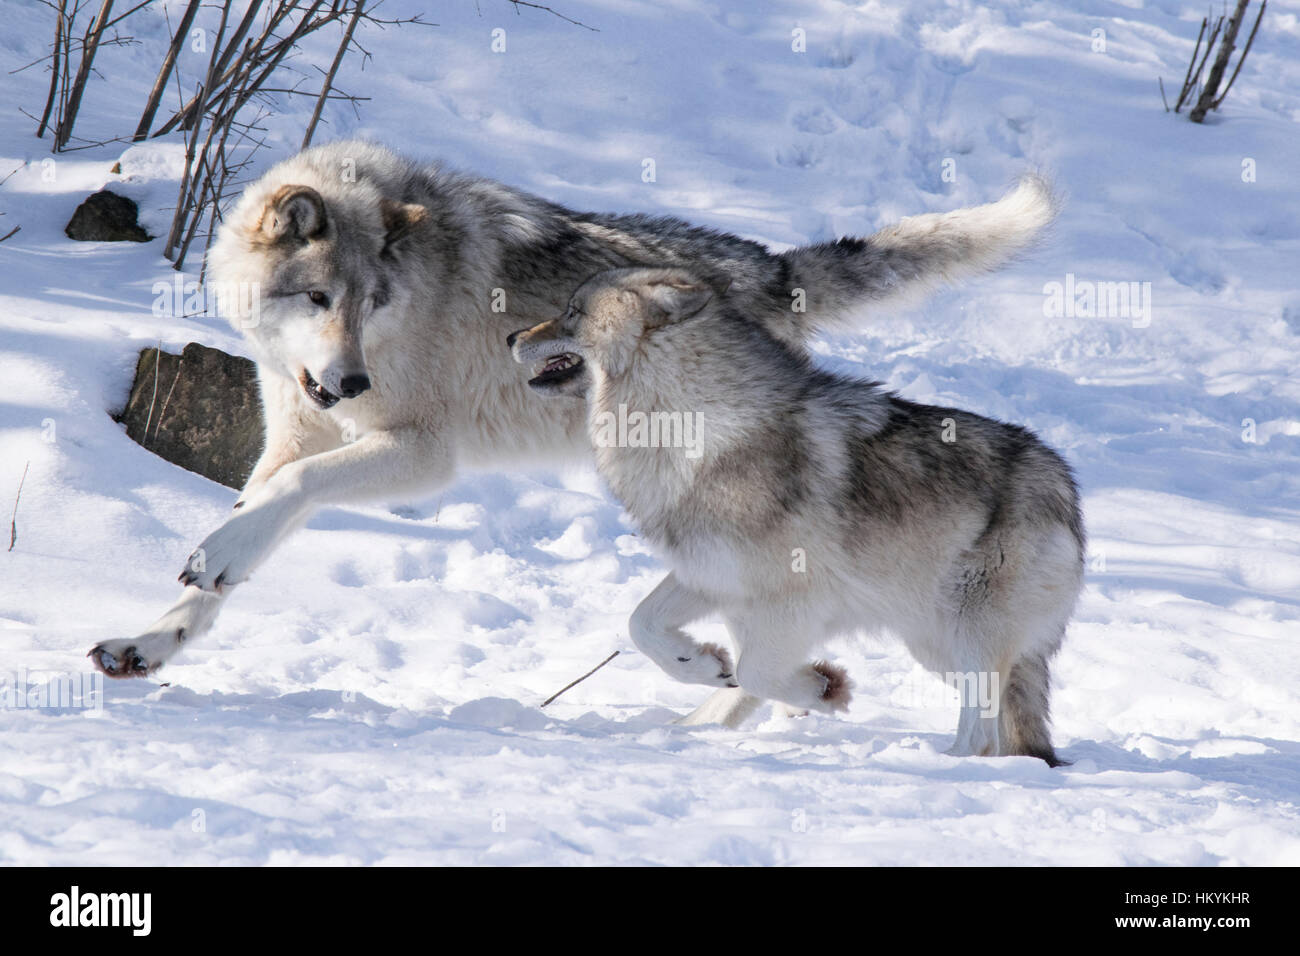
x=919, y=254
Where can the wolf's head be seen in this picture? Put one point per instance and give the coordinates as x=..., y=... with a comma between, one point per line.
x=317, y=266
x=608, y=320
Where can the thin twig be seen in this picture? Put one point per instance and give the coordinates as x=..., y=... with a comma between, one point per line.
x=1187, y=80
x=13, y=522
x=538, y=6
x=157, y=361
x=357, y=13
x=123, y=16
x=163, y=410
x=1209, y=48
x=583, y=677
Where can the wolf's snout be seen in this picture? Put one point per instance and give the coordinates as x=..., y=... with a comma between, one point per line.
x=353, y=385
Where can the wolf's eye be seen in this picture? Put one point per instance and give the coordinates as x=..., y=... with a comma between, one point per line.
x=319, y=298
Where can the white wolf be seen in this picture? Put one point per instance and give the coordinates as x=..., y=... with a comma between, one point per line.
x=381, y=293
x=816, y=505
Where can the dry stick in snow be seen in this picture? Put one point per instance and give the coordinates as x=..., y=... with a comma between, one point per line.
x=241, y=88
x=163, y=410
x=580, y=679
x=1211, y=90
x=224, y=70
x=1244, y=53
x=1187, y=80
x=252, y=50
x=1194, y=79
x=334, y=68
x=13, y=522
x=67, y=66
x=186, y=196
x=157, y=361
x=220, y=121
x=538, y=6
x=54, y=70
x=89, y=46
x=165, y=72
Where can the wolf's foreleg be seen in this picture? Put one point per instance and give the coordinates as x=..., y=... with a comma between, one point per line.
x=188, y=618
x=378, y=464
x=272, y=507
x=656, y=630
x=771, y=644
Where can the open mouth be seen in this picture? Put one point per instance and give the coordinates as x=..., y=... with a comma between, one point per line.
x=316, y=392
x=557, y=370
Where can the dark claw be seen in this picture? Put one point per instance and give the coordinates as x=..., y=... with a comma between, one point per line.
x=724, y=677
x=683, y=659
x=733, y=685
x=238, y=505
x=132, y=665
x=216, y=585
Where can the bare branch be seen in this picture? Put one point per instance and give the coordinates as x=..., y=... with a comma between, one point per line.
x=1244, y=53
x=538, y=6
x=13, y=522
x=59, y=27
x=357, y=13
x=1211, y=90
x=165, y=71
x=580, y=679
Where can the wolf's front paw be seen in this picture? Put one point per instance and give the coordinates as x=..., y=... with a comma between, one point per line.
x=125, y=658
x=228, y=555
x=708, y=664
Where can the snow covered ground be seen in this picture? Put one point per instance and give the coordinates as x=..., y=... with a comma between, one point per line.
x=372, y=696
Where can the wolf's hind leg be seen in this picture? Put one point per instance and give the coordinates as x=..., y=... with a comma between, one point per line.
x=656, y=630
x=1024, y=717
x=729, y=707
x=980, y=685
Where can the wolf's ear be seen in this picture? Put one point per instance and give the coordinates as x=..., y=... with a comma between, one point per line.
x=400, y=218
x=676, y=298
x=295, y=212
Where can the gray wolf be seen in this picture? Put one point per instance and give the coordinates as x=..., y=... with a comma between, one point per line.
x=812, y=505
x=375, y=293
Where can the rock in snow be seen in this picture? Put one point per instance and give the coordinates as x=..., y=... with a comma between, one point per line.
x=106, y=217
x=199, y=410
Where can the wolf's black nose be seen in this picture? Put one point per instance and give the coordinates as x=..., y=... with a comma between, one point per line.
x=354, y=385
x=510, y=339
